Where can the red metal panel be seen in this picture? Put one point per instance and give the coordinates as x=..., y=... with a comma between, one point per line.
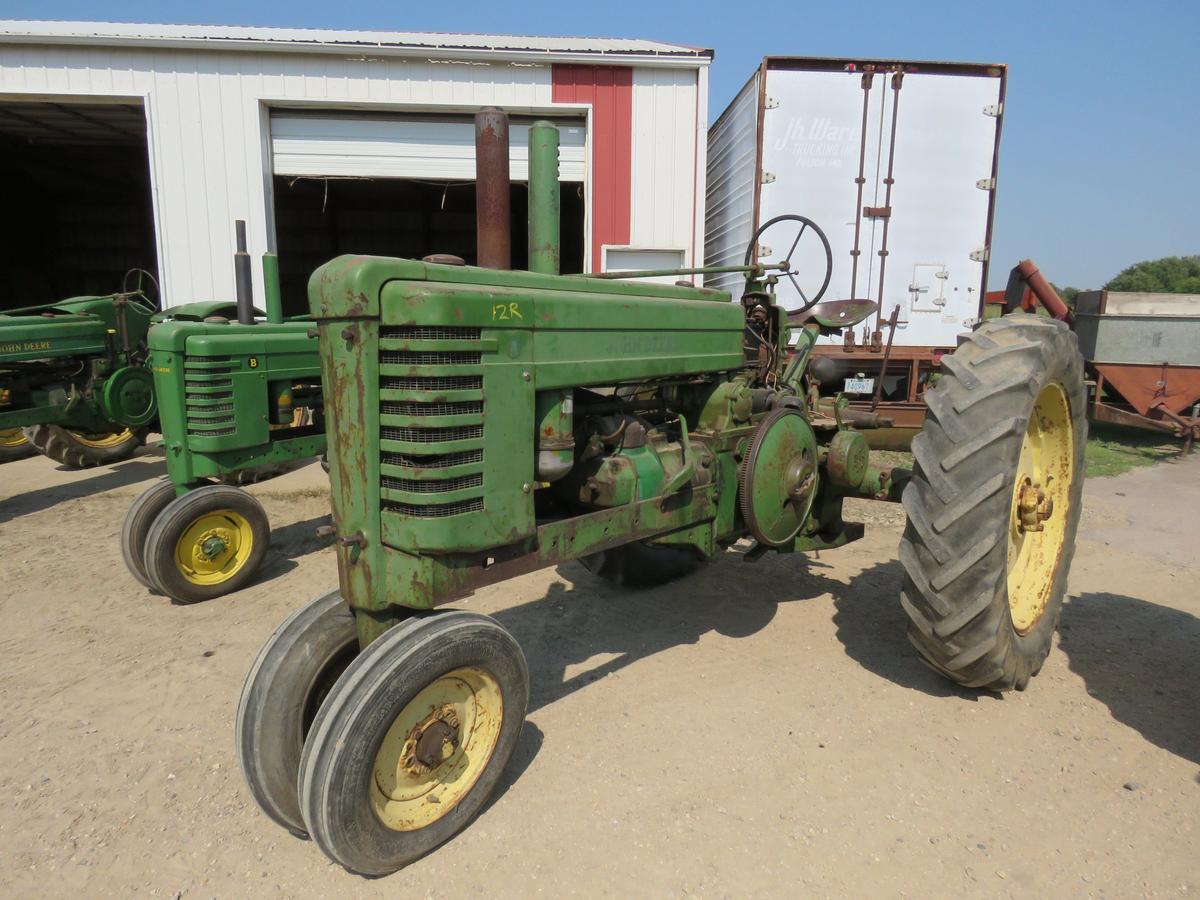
x=610, y=91
x=1145, y=387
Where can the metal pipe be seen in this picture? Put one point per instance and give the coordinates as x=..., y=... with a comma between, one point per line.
x=544, y=200
x=897, y=79
x=493, y=235
x=273, y=300
x=1041, y=289
x=243, y=282
x=755, y=269
x=861, y=180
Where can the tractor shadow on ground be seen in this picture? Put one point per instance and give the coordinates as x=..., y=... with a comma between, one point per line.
x=873, y=628
x=292, y=541
x=528, y=745
x=144, y=468
x=584, y=617
x=1142, y=661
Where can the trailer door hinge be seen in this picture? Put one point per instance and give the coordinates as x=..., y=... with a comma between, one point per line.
x=986, y=184
x=993, y=109
x=979, y=255
x=770, y=103
x=768, y=177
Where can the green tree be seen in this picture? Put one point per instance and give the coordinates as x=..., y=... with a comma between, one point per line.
x=1068, y=294
x=1171, y=274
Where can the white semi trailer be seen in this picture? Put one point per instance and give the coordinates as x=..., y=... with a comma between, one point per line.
x=896, y=161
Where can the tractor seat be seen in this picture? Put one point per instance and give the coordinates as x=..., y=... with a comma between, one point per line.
x=834, y=313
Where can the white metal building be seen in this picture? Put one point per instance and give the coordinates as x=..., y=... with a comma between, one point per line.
x=142, y=144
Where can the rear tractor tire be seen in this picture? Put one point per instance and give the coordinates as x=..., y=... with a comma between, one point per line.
x=80, y=450
x=207, y=543
x=994, y=503
x=412, y=740
x=641, y=565
x=14, y=445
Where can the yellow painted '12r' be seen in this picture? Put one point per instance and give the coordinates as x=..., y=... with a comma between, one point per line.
x=504, y=311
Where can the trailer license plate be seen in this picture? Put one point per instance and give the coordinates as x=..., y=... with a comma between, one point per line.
x=860, y=385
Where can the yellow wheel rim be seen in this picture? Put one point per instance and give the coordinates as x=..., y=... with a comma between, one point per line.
x=214, y=547
x=12, y=437
x=102, y=441
x=436, y=749
x=1040, y=508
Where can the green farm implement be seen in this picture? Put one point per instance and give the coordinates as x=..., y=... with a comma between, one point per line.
x=238, y=400
x=73, y=382
x=485, y=423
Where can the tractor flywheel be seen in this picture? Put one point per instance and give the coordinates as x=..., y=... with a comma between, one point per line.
x=778, y=478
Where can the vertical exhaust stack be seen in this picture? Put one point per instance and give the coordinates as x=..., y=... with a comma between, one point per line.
x=273, y=300
x=544, y=200
x=243, y=282
x=493, y=236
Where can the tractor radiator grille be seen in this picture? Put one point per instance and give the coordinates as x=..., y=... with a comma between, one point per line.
x=429, y=358
x=431, y=460
x=434, y=510
x=431, y=435
x=208, y=396
x=471, y=407
x=432, y=383
x=429, y=333
x=439, y=434
x=433, y=487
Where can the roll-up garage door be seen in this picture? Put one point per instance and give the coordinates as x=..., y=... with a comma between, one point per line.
x=311, y=143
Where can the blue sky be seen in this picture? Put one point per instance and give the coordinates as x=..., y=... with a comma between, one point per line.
x=1102, y=123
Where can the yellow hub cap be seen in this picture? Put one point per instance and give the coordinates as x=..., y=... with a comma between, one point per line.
x=214, y=547
x=102, y=441
x=12, y=437
x=436, y=749
x=1038, y=517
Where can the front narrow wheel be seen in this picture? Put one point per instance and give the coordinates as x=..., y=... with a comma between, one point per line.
x=137, y=524
x=290, y=678
x=207, y=543
x=995, y=501
x=412, y=740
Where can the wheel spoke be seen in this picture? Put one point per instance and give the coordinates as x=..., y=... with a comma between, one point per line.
x=795, y=243
x=803, y=296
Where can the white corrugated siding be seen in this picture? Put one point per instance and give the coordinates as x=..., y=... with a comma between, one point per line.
x=207, y=114
x=729, y=198
x=666, y=147
x=388, y=146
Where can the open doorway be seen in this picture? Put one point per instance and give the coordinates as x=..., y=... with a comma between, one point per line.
x=318, y=218
x=78, y=207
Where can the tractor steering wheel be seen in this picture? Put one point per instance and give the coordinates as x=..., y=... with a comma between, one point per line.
x=784, y=232
x=138, y=294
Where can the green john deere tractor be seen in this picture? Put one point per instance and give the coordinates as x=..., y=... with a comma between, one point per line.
x=239, y=400
x=486, y=423
x=73, y=382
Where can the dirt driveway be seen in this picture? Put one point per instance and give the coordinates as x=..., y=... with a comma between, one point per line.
x=754, y=729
